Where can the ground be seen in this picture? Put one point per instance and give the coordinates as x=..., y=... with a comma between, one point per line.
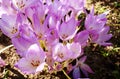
x=104, y=61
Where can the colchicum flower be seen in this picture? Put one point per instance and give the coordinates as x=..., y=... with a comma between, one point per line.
x=33, y=61
x=48, y=33
x=96, y=27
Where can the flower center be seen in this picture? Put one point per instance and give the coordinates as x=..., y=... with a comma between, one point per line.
x=14, y=30
x=64, y=36
x=20, y=4
x=35, y=63
x=60, y=55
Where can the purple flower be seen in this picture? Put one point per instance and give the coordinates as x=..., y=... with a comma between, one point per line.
x=83, y=66
x=8, y=25
x=47, y=32
x=34, y=60
x=67, y=30
x=95, y=25
x=93, y=22
x=61, y=52
x=25, y=38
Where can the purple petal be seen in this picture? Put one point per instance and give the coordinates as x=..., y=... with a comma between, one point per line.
x=71, y=29
x=82, y=37
x=61, y=53
x=40, y=67
x=35, y=53
x=82, y=60
x=85, y=72
x=75, y=48
x=105, y=30
x=76, y=73
x=92, y=10
x=8, y=25
x=106, y=44
x=25, y=38
x=25, y=66
x=86, y=68
x=94, y=35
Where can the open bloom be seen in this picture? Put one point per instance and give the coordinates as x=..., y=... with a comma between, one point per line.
x=83, y=67
x=49, y=32
x=67, y=30
x=61, y=52
x=34, y=60
x=95, y=22
x=24, y=40
x=95, y=25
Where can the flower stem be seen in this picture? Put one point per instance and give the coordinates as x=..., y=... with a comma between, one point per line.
x=66, y=74
x=5, y=48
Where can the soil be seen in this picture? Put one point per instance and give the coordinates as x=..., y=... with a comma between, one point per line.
x=104, y=61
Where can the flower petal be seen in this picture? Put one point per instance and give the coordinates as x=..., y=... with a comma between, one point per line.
x=40, y=67
x=25, y=66
x=35, y=53
x=86, y=68
x=76, y=73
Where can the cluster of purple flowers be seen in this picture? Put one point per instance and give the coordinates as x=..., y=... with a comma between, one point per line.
x=48, y=33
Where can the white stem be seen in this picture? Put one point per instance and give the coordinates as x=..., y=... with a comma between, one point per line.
x=5, y=48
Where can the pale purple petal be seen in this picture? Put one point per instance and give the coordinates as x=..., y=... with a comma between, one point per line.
x=33, y=61
x=25, y=66
x=29, y=13
x=67, y=30
x=25, y=38
x=8, y=25
x=61, y=53
x=35, y=53
x=104, y=36
x=97, y=22
x=39, y=28
x=75, y=49
x=40, y=67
